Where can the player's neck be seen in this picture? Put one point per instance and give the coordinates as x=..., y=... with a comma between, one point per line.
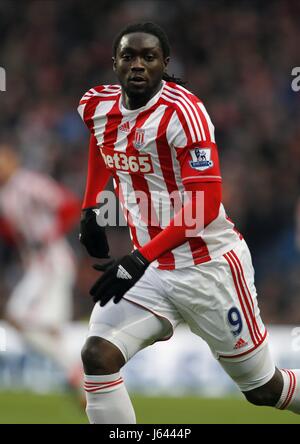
x=135, y=102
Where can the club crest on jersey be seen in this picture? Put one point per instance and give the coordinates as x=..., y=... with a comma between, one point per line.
x=201, y=159
x=139, y=138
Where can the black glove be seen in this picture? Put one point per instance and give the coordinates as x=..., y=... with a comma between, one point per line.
x=118, y=278
x=92, y=235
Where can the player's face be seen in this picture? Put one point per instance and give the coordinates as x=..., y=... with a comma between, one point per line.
x=139, y=65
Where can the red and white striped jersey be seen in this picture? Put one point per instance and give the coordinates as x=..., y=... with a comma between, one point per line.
x=31, y=204
x=158, y=149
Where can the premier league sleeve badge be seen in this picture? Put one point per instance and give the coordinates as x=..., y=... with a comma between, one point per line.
x=201, y=159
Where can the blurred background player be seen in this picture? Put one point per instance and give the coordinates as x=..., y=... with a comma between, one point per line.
x=35, y=215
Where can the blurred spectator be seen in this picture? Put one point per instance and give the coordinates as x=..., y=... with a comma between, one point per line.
x=237, y=56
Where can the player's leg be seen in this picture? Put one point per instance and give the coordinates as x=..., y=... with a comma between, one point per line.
x=264, y=384
x=218, y=301
x=255, y=372
x=41, y=303
x=21, y=304
x=117, y=332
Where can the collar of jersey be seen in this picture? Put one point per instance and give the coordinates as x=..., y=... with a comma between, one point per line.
x=126, y=111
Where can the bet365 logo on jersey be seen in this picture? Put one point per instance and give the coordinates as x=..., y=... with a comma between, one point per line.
x=127, y=163
x=201, y=159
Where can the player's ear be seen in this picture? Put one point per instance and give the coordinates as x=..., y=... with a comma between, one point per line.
x=166, y=62
x=114, y=63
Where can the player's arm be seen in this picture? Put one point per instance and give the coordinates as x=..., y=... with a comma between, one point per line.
x=92, y=235
x=200, y=173
x=180, y=228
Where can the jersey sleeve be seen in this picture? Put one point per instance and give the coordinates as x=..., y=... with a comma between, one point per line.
x=97, y=175
x=191, y=133
x=86, y=107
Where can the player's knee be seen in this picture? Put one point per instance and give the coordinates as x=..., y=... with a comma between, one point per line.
x=101, y=357
x=268, y=394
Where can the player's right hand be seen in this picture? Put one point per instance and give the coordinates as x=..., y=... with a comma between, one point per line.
x=118, y=277
x=92, y=235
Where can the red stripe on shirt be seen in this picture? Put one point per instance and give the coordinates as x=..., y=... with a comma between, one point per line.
x=133, y=231
x=98, y=174
x=139, y=183
x=89, y=112
x=188, y=110
x=114, y=119
x=193, y=110
x=166, y=166
x=197, y=245
x=204, y=123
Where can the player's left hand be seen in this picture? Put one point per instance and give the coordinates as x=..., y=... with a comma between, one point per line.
x=118, y=277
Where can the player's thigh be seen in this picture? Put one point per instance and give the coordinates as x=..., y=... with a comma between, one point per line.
x=128, y=326
x=56, y=307
x=252, y=370
x=218, y=301
x=55, y=303
x=42, y=299
x=150, y=293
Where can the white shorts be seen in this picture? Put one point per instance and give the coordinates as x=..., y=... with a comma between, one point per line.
x=217, y=299
x=43, y=297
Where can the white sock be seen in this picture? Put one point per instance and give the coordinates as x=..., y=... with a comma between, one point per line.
x=290, y=396
x=108, y=401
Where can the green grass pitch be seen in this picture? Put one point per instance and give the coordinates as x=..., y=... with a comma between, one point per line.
x=28, y=408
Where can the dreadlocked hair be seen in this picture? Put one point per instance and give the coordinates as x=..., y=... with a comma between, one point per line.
x=173, y=79
x=157, y=31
